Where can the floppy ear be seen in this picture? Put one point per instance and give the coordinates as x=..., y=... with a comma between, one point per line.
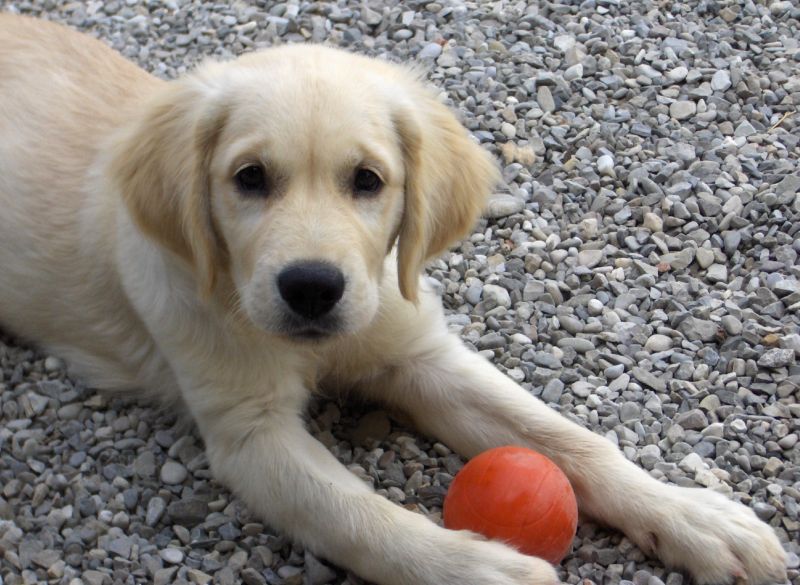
x=160, y=163
x=448, y=177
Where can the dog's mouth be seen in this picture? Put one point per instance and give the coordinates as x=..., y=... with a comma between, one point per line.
x=311, y=334
x=311, y=330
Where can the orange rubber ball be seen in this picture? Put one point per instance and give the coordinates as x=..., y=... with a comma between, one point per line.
x=518, y=496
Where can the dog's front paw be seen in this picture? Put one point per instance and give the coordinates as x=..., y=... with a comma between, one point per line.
x=475, y=561
x=713, y=538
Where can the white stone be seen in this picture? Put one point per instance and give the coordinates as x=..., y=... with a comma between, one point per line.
x=605, y=166
x=733, y=205
x=677, y=74
x=447, y=59
x=717, y=273
x=545, y=99
x=682, y=110
x=653, y=222
x=173, y=473
x=721, y=81
x=658, y=342
x=738, y=425
x=588, y=228
x=704, y=257
x=53, y=364
x=574, y=72
x=500, y=296
x=564, y=42
x=791, y=341
x=172, y=556
x=693, y=463
x=589, y=258
x=595, y=307
x=430, y=51
x=503, y=206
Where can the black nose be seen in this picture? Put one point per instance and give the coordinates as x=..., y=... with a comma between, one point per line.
x=311, y=289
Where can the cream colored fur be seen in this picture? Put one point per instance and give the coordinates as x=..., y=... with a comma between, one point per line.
x=125, y=248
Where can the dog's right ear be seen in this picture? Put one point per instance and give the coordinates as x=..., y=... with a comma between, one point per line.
x=447, y=180
x=160, y=164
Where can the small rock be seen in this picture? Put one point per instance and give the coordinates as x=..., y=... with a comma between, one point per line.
x=121, y=547
x=496, y=294
x=545, y=99
x=649, y=455
x=579, y=344
x=692, y=420
x=692, y=463
x=508, y=130
x=173, y=473
x=678, y=260
x=188, y=512
x=373, y=426
x=430, y=51
x=704, y=257
x=447, y=59
x=721, y=80
x=588, y=228
x=53, y=364
x=317, y=573
x=95, y=578
x=198, y=577
x=792, y=342
x=682, y=110
x=172, y=556
x=589, y=258
x=788, y=187
x=764, y=511
x=614, y=372
x=653, y=222
x=776, y=358
x=553, y=390
x=573, y=72
x=564, y=42
x=252, y=577
x=145, y=465
x=629, y=411
x=731, y=324
x=164, y=576
x=744, y=129
x=738, y=426
x=717, y=273
x=605, y=166
x=698, y=329
x=677, y=74
x=503, y=206
x=657, y=342
x=649, y=379
x=595, y=307
x=155, y=510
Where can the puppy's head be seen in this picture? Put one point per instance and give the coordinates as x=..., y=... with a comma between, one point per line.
x=293, y=172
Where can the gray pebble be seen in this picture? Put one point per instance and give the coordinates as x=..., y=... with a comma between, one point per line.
x=172, y=556
x=173, y=473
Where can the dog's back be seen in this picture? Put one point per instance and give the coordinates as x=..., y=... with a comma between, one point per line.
x=61, y=96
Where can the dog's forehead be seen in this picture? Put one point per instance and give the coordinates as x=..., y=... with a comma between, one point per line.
x=302, y=103
x=320, y=85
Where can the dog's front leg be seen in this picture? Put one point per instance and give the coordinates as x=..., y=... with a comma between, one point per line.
x=263, y=453
x=457, y=396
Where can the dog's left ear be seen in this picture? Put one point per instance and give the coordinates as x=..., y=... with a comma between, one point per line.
x=447, y=180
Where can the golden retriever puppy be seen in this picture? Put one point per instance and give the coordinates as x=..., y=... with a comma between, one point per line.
x=235, y=237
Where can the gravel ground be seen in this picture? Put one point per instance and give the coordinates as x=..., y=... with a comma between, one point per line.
x=639, y=273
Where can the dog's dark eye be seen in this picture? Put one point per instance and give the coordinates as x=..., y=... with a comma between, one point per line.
x=252, y=180
x=366, y=183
